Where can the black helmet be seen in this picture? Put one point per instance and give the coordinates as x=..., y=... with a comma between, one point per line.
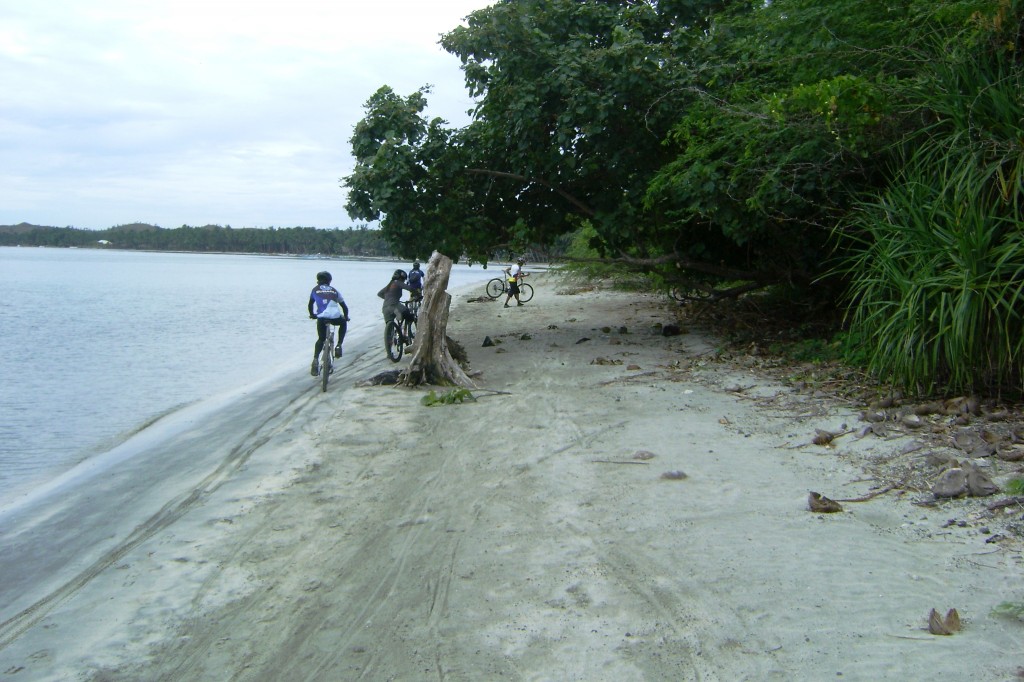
x=323, y=277
x=399, y=274
x=520, y=260
x=416, y=264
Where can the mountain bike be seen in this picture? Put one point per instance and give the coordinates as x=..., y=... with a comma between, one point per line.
x=499, y=286
x=327, y=358
x=413, y=304
x=398, y=335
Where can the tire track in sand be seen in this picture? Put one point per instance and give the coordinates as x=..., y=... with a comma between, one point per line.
x=12, y=628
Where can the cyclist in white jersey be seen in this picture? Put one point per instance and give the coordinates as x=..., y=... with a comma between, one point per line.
x=326, y=306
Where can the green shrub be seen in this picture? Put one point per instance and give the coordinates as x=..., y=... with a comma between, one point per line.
x=1015, y=486
x=937, y=271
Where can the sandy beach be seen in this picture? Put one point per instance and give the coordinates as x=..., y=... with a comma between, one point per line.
x=615, y=504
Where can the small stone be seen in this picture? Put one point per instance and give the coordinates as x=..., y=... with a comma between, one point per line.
x=912, y=421
x=952, y=483
x=980, y=485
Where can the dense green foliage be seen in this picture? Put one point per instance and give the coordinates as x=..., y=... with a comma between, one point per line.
x=210, y=238
x=702, y=133
x=937, y=269
x=707, y=143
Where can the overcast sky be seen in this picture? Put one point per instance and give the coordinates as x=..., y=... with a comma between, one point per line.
x=229, y=112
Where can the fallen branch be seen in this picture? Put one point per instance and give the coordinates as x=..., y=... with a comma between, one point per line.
x=487, y=392
x=880, y=491
x=1008, y=502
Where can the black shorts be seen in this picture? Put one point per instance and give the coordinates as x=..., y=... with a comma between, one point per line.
x=321, y=326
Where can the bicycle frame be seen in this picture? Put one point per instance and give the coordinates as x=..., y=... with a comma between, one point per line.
x=327, y=358
x=401, y=331
x=499, y=287
x=413, y=305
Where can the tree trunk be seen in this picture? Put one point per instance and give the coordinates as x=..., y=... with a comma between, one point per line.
x=432, y=363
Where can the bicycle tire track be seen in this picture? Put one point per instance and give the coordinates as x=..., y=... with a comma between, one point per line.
x=12, y=628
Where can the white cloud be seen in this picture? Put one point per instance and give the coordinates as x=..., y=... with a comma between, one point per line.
x=204, y=111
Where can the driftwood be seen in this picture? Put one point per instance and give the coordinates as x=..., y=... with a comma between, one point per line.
x=872, y=495
x=1008, y=502
x=432, y=362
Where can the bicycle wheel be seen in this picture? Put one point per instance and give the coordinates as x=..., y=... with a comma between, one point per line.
x=525, y=293
x=496, y=287
x=325, y=362
x=393, y=342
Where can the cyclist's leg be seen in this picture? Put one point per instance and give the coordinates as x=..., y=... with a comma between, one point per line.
x=390, y=315
x=342, y=327
x=321, y=336
x=401, y=315
x=513, y=290
x=409, y=326
x=392, y=342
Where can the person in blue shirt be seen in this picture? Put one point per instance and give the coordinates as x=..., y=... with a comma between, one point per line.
x=416, y=280
x=326, y=306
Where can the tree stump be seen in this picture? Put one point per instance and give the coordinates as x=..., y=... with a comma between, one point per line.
x=432, y=362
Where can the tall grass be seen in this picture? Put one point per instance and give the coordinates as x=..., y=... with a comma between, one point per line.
x=937, y=268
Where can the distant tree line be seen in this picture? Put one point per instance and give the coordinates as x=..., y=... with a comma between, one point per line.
x=353, y=241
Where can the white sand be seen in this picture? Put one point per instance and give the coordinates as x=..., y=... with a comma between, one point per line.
x=359, y=535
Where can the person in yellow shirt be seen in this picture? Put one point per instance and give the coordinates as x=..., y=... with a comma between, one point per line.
x=515, y=275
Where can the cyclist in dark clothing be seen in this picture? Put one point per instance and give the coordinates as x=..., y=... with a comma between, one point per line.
x=326, y=306
x=393, y=308
x=416, y=280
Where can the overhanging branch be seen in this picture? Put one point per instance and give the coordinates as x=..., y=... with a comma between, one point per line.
x=701, y=267
x=583, y=208
x=753, y=279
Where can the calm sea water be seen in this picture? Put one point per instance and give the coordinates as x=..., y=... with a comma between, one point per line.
x=94, y=344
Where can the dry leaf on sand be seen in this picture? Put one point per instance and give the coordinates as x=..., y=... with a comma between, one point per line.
x=821, y=504
x=943, y=626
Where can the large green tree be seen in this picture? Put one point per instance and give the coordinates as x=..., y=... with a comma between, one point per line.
x=575, y=100
x=723, y=139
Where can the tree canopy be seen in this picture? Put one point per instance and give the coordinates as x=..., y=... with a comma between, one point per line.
x=705, y=131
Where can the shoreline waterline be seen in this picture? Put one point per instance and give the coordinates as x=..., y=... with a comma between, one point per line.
x=363, y=349
x=148, y=334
